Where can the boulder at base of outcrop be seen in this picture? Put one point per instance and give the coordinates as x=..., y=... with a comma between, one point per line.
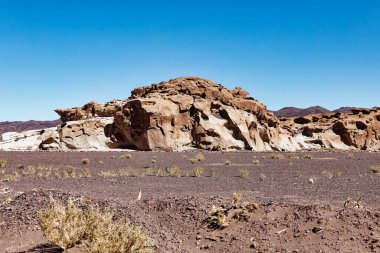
x=87, y=134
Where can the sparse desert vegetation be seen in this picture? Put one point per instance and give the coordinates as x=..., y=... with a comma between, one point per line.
x=375, y=168
x=146, y=191
x=244, y=173
x=277, y=156
x=3, y=163
x=198, y=171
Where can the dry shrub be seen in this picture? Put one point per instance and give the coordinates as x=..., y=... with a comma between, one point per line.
x=242, y=215
x=109, y=236
x=277, y=156
x=228, y=162
x=293, y=156
x=86, y=173
x=375, y=168
x=213, y=172
x=236, y=197
x=13, y=177
x=65, y=226
x=174, y=171
x=309, y=157
x=127, y=156
x=124, y=172
x=69, y=172
x=29, y=170
x=200, y=157
x=262, y=176
x=198, y=171
x=155, y=171
x=3, y=163
x=108, y=173
x=327, y=174
x=255, y=162
x=244, y=173
x=69, y=225
x=218, y=219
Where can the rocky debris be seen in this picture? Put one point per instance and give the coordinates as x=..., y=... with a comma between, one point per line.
x=358, y=130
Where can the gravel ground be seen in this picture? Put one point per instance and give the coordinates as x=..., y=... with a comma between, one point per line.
x=298, y=195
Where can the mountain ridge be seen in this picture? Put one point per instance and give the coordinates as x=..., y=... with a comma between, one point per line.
x=289, y=112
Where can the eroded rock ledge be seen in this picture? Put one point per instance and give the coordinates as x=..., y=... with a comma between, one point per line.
x=191, y=112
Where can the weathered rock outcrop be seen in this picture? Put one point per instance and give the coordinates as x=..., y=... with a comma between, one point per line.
x=194, y=112
x=191, y=112
x=359, y=129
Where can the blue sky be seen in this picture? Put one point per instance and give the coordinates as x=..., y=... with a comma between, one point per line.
x=59, y=54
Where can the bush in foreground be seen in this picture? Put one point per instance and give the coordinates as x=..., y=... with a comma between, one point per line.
x=69, y=225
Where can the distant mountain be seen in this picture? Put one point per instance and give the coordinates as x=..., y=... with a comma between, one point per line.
x=18, y=126
x=288, y=112
x=344, y=109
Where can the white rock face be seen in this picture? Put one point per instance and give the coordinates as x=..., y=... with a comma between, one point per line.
x=73, y=135
x=28, y=140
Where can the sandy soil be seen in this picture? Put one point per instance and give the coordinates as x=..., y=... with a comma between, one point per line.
x=301, y=202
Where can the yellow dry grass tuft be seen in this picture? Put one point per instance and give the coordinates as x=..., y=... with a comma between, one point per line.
x=3, y=163
x=375, y=168
x=69, y=225
x=65, y=226
x=198, y=171
x=109, y=236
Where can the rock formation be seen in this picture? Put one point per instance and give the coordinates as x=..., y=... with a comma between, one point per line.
x=358, y=130
x=191, y=112
x=73, y=135
x=194, y=112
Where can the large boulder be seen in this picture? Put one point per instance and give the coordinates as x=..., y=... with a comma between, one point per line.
x=88, y=134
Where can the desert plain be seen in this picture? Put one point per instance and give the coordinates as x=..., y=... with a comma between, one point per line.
x=300, y=201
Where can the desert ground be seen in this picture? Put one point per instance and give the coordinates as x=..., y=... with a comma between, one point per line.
x=303, y=201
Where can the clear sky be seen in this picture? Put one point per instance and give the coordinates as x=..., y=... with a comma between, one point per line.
x=59, y=54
